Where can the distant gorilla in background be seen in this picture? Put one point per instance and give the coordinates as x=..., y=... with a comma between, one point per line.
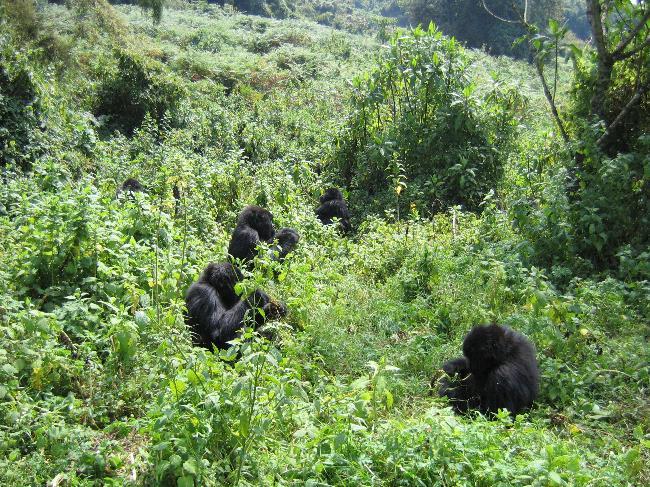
x=287, y=239
x=254, y=225
x=216, y=314
x=498, y=371
x=334, y=206
x=130, y=187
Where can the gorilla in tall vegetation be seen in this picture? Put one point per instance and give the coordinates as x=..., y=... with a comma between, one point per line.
x=498, y=371
x=216, y=314
x=129, y=187
x=255, y=225
x=332, y=205
x=287, y=239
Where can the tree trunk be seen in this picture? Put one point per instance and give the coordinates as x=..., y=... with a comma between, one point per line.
x=604, y=60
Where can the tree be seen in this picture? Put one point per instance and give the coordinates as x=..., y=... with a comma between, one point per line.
x=469, y=22
x=606, y=126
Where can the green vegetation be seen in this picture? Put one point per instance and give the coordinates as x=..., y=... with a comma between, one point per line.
x=480, y=191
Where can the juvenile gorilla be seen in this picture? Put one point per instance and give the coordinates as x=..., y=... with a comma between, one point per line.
x=332, y=205
x=255, y=225
x=287, y=239
x=130, y=187
x=498, y=370
x=216, y=314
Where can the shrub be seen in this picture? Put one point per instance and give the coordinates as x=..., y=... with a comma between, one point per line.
x=19, y=114
x=139, y=87
x=416, y=121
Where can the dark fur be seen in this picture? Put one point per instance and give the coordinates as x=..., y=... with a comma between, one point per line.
x=130, y=187
x=334, y=206
x=216, y=315
x=287, y=239
x=498, y=371
x=254, y=225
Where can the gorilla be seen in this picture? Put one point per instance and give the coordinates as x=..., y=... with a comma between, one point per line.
x=332, y=205
x=498, y=370
x=216, y=314
x=130, y=187
x=255, y=225
x=287, y=239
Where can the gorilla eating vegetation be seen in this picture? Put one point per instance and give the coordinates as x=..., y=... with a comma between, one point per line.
x=216, y=314
x=255, y=225
x=498, y=371
x=130, y=187
x=332, y=205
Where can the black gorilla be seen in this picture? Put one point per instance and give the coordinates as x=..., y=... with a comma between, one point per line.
x=216, y=314
x=498, y=370
x=255, y=225
x=332, y=205
x=130, y=187
x=287, y=239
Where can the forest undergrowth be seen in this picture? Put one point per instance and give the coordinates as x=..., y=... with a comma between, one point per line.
x=213, y=110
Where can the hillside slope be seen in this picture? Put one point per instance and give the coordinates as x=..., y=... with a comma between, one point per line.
x=99, y=383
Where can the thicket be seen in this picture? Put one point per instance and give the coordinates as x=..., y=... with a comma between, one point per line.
x=420, y=137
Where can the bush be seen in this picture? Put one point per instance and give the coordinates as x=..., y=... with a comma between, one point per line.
x=139, y=87
x=19, y=114
x=417, y=122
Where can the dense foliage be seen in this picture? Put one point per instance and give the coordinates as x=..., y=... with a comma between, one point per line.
x=418, y=101
x=99, y=383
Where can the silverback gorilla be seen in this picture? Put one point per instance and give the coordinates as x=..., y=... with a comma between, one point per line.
x=255, y=225
x=332, y=205
x=498, y=371
x=216, y=314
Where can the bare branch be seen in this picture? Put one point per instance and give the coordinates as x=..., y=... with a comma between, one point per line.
x=618, y=51
x=501, y=18
x=623, y=113
x=551, y=101
x=525, y=11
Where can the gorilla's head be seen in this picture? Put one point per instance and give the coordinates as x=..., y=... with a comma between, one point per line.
x=331, y=194
x=132, y=185
x=287, y=239
x=259, y=219
x=486, y=347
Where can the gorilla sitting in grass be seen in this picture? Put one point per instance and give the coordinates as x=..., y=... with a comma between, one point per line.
x=332, y=205
x=254, y=226
x=216, y=314
x=498, y=371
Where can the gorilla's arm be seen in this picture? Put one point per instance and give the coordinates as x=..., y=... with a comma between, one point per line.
x=234, y=319
x=459, y=385
x=458, y=366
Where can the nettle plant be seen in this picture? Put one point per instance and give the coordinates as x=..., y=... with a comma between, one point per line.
x=419, y=104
